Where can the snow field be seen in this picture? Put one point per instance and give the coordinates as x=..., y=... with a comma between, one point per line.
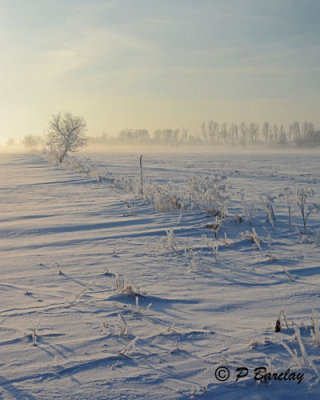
x=108, y=295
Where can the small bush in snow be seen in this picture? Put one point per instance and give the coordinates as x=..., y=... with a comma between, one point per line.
x=172, y=243
x=253, y=237
x=248, y=210
x=306, y=209
x=212, y=245
x=209, y=194
x=268, y=201
x=287, y=193
x=124, y=288
x=162, y=197
x=215, y=227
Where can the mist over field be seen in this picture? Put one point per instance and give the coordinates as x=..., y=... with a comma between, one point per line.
x=212, y=137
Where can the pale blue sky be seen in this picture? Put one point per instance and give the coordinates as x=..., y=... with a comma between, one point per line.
x=147, y=63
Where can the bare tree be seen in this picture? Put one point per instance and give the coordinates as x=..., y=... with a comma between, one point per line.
x=66, y=134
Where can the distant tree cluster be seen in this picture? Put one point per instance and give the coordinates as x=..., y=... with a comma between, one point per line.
x=213, y=133
x=66, y=134
x=32, y=142
x=297, y=134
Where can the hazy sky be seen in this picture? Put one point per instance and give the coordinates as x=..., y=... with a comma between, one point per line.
x=157, y=63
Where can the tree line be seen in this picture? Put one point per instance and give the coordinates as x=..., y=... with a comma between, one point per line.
x=218, y=134
x=67, y=133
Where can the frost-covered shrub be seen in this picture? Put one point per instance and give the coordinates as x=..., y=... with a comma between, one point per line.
x=162, y=197
x=248, y=209
x=209, y=194
x=102, y=176
x=126, y=183
x=212, y=245
x=124, y=288
x=75, y=164
x=268, y=202
x=252, y=237
x=287, y=193
x=306, y=209
x=167, y=243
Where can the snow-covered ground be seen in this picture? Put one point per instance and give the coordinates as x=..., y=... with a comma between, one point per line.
x=189, y=305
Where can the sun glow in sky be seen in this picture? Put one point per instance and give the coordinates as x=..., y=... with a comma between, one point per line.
x=155, y=64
